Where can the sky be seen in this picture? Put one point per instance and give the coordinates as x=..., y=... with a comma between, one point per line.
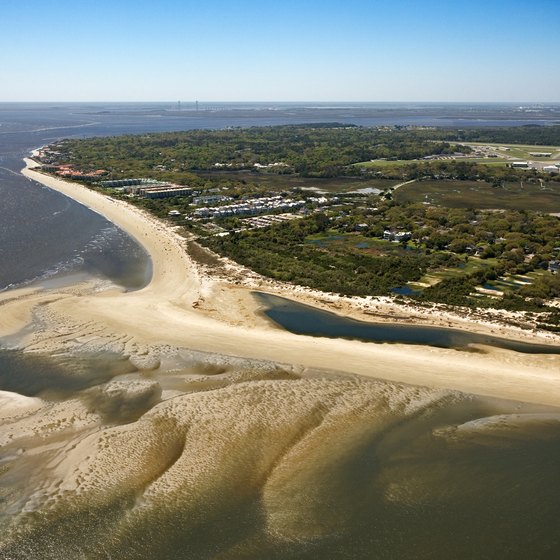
x=280, y=50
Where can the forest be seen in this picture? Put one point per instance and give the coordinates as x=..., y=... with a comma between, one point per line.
x=450, y=253
x=328, y=150
x=498, y=255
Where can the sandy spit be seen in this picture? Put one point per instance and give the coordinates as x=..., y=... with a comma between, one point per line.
x=184, y=307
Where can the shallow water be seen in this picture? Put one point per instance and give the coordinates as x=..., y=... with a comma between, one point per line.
x=304, y=319
x=270, y=464
x=57, y=377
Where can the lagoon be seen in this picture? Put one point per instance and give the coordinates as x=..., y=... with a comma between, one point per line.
x=303, y=319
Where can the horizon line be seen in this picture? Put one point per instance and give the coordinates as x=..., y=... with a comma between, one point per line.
x=175, y=101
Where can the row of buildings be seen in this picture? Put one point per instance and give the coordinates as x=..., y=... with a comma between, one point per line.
x=553, y=168
x=149, y=188
x=67, y=171
x=251, y=207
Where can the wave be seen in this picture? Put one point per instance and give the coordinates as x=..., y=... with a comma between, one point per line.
x=108, y=237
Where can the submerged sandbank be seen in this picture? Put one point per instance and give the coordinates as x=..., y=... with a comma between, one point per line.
x=259, y=461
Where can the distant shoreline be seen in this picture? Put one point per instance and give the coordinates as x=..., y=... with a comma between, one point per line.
x=185, y=306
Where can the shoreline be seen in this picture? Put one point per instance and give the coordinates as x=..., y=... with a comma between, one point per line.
x=184, y=306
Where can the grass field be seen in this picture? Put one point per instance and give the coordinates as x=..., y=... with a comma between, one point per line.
x=479, y=194
x=388, y=164
x=523, y=152
x=485, y=161
x=505, y=284
x=354, y=242
x=282, y=182
x=471, y=265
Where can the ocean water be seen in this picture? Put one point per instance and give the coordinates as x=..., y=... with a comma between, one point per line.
x=247, y=460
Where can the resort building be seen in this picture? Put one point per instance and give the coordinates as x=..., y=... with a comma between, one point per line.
x=165, y=191
x=118, y=183
x=250, y=207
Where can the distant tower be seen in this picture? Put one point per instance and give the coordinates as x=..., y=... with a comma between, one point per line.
x=196, y=104
x=179, y=106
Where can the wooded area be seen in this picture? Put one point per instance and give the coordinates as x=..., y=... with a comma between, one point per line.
x=456, y=246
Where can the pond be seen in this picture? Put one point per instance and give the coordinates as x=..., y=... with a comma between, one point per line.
x=306, y=320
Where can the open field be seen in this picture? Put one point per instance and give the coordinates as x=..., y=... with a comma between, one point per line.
x=479, y=194
x=274, y=181
x=354, y=242
x=523, y=152
x=390, y=164
x=470, y=266
x=485, y=161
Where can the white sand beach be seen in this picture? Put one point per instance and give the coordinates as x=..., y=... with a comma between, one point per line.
x=184, y=307
x=223, y=406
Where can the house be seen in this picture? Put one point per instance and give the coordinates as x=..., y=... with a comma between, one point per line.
x=398, y=236
x=402, y=236
x=554, y=267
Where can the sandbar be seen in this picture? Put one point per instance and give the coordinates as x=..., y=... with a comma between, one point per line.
x=184, y=306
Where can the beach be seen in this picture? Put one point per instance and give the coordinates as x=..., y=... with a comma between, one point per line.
x=204, y=431
x=184, y=306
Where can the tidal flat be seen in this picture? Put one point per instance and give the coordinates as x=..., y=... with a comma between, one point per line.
x=214, y=457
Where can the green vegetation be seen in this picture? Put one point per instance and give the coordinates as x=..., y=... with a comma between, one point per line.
x=205, y=158
x=280, y=182
x=529, y=135
x=467, y=231
x=529, y=194
x=523, y=152
x=290, y=252
x=316, y=151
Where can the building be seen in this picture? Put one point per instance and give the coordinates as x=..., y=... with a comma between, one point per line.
x=397, y=236
x=131, y=183
x=252, y=207
x=66, y=171
x=210, y=199
x=165, y=191
x=148, y=188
